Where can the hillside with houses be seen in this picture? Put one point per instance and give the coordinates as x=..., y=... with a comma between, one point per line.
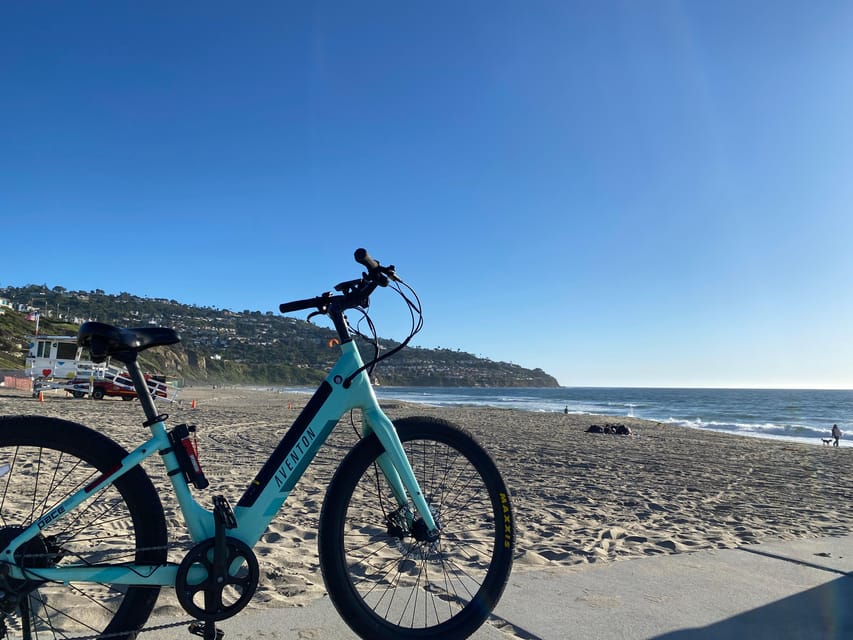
x=246, y=347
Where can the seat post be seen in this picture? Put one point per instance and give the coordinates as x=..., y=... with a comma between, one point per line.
x=141, y=386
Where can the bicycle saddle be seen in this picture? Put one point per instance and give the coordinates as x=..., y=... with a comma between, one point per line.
x=104, y=340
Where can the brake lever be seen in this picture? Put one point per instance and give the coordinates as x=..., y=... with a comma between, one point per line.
x=323, y=309
x=391, y=272
x=382, y=275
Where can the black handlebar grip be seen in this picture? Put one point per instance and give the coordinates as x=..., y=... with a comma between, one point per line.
x=299, y=305
x=363, y=258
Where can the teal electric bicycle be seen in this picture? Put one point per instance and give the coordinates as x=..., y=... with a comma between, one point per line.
x=415, y=534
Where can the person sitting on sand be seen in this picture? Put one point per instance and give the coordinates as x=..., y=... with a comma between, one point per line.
x=836, y=435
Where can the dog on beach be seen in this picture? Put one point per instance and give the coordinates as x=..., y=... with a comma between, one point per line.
x=826, y=441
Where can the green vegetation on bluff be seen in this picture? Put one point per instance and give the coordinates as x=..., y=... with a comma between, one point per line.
x=248, y=347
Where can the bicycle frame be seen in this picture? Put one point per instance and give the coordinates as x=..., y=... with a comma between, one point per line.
x=264, y=496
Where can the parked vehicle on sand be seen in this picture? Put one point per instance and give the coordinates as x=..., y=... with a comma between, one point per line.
x=120, y=387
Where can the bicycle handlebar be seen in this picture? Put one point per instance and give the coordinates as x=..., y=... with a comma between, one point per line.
x=354, y=293
x=364, y=259
x=309, y=303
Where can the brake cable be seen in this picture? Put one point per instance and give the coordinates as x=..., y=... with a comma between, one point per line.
x=417, y=323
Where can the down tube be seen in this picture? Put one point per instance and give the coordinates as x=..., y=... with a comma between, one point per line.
x=279, y=475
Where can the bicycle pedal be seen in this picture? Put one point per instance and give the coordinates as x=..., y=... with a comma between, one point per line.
x=199, y=628
x=223, y=512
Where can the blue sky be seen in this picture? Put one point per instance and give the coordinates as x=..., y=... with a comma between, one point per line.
x=622, y=193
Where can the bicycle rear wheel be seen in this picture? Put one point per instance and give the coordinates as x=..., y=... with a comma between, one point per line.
x=387, y=580
x=42, y=462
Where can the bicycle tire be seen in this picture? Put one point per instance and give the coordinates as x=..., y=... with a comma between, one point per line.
x=44, y=460
x=388, y=587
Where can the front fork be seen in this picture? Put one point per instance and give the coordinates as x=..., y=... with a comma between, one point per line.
x=398, y=472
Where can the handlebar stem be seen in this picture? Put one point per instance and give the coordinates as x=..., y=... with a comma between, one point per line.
x=341, y=326
x=357, y=294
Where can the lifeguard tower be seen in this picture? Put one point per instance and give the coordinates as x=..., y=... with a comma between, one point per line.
x=56, y=362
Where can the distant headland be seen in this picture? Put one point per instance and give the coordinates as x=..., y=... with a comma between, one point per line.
x=237, y=347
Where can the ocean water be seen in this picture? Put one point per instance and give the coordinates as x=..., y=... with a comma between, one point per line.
x=805, y=416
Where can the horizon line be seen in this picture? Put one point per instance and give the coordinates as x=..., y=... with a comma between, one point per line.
x=708, y=387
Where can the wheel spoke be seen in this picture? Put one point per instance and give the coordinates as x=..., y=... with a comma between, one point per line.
x=49, y=460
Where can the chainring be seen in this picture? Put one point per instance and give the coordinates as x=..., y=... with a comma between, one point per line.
x=208, y=599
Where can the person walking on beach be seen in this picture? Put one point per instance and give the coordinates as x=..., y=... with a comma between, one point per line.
x=836, y=435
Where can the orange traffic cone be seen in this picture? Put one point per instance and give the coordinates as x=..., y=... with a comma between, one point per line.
x=41, y=396
x=192, y=404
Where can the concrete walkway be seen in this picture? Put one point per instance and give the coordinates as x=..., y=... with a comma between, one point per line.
x=775, y=591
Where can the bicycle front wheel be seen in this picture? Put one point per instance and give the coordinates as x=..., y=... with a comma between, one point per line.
x=387, y=579
x=42, y=462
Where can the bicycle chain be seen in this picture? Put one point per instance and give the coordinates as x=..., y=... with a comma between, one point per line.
x=157, y=627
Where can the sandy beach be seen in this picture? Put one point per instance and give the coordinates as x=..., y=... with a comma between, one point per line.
x=578, y=497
